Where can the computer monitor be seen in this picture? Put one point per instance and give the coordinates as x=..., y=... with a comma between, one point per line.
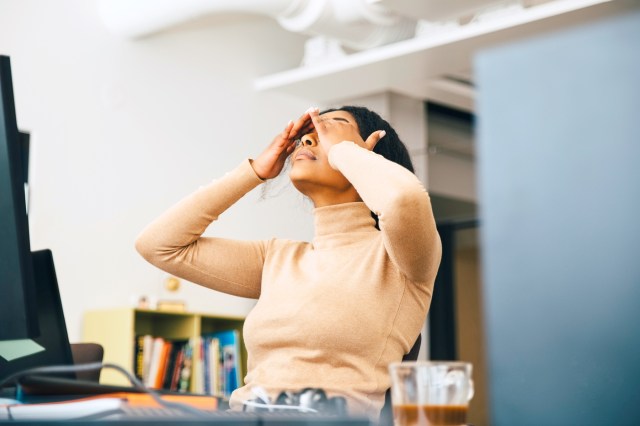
x=559, y=161
x=32, y=326
x=53, y=339
x=18, y=313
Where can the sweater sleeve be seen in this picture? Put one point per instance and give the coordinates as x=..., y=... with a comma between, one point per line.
x=401, y=203
x=174, y=241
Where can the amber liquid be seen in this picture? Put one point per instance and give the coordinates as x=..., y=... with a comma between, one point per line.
x=430, y=415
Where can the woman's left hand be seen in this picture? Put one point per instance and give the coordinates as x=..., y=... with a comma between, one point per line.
x=331, y=132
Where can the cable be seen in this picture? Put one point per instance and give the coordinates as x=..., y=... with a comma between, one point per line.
x=137, y=384
x=51, y=369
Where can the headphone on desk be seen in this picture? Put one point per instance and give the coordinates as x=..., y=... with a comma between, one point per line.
x=308, y=400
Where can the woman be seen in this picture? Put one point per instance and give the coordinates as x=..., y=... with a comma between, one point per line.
x=334, y=312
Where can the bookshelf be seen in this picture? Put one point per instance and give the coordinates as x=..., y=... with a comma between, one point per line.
x=116, y=330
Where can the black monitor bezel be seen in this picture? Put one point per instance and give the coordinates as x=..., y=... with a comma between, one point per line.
x=54, y=338
x=18, y=307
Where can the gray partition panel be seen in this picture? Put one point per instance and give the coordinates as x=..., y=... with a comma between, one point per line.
x=559, y=184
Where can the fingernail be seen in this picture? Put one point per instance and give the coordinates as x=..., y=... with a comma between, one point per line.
x=382, y=133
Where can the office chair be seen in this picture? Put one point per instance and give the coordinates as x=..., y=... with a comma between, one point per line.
x=386, y=414
x=85, y=353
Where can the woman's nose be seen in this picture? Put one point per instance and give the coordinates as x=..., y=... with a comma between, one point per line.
x=308, y=140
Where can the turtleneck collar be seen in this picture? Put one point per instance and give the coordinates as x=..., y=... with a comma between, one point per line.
x=333, y=222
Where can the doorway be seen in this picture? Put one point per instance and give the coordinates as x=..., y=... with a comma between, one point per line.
x=456, y=324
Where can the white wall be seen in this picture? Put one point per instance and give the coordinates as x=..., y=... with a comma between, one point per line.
x=123, y=129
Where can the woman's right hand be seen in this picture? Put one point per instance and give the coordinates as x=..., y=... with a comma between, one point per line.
x=269, y=164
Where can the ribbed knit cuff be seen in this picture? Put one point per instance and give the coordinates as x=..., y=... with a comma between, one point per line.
x=337, y=150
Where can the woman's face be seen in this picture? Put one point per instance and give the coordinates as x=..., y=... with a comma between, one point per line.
x=310, y=170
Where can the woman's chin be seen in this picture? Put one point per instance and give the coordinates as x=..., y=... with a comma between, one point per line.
x=299, y=173
x=301, y=181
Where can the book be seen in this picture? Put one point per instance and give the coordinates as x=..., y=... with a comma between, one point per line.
x=100, y=404
x=214, y=360
x=206, y=365
x=162, y=364
x=178, y=365
x=138, y=355
x=154, y=363
x=211, y=365
x=147, y=349
x=63, y=410
x=186, y=369
x=230, y=369
x=197, y=367
x=176, y=346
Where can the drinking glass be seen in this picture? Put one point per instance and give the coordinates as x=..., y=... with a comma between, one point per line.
x=433, y=393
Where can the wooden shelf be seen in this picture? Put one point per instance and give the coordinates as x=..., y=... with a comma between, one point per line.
x=116, y=329
x=408, y=67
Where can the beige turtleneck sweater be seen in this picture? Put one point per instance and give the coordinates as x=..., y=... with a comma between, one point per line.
x=331, y=313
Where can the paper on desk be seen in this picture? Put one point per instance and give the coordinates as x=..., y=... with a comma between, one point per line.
x=60, y=410
x=99, y=404
x=14, y=349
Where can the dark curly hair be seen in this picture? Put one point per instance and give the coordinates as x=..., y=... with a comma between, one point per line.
x=390, y=147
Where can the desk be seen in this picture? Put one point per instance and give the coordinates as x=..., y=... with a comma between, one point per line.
x=122, y=409
x=249, y=421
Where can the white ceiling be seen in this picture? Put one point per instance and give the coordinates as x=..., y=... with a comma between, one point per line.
x=423, y=49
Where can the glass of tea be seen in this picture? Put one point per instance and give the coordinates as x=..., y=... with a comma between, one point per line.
x=430, y=393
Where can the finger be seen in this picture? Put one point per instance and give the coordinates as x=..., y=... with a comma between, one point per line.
x=283, y=137
x=309, y=128
x=288, y=127
x=318, y=123
x=290, y=149
x=300, y=125
x=300, y=122
x=308, y=125
x=374, y=138
x=305, y=115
